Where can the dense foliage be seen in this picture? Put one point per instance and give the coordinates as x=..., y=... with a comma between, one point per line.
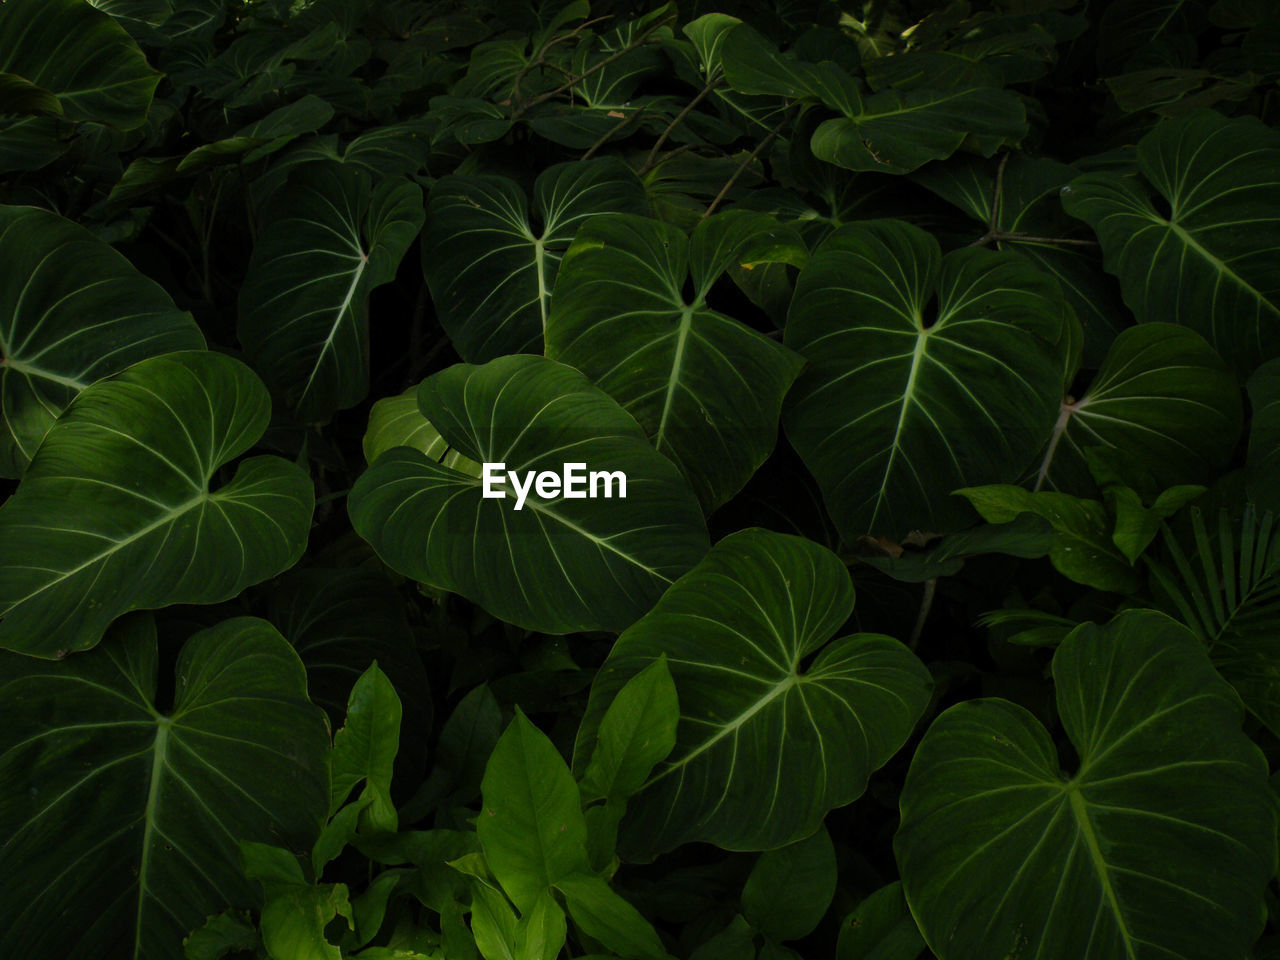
x=939, y=345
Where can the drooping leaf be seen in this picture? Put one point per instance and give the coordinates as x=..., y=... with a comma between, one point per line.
x=1164, y=409
x=120, y=508
x=72, y=310
x=398, y=422
x=904, y=401
x=899, y=130
x=789, y=890
x=707, y=388
x=1158, y=843
x=602, y=914
x=764, y=747
x=530, y=823
x=80, y=55
x=491, y=262
x=303, y=315
x=557, y=565
x=121, y=823
x=1202, y=255
x=880, y=928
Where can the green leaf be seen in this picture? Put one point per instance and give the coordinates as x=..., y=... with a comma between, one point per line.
x=80, y=55
x=117, y=504
x=599, y=912
x=557, y=565
x=734, y=942
x=398, y=422
x=19, y=96
x=635, y=733
x=765, y=747
x=1129, y=29
x=1262, y=467
x=1026, y=536
x=1228, y=593
x=493, y=922
x=902, y=401
x=1136, y=524
x=542, y=931
x=332, y=238
x=1164, y=409
x=1159, y=844
x=365, y=749
x=880, y=928
x=530, y=822
x=707, y=388
x=263, y=137
x=1207, y=262
x=121, y=823
x=789, y=890
x=491, y=263
x=1082, y=549
x=899, y=130
x=222, y=934
x=294, y=918
x=72, y=311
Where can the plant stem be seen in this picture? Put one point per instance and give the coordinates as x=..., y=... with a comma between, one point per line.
x=926, y=604
x=650, y=161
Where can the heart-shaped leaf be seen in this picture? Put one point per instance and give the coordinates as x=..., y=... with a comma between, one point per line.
x=118, y=506
x=80, y=55
x=777, y=725
x=491, y=263
x=556, y=565
x=1164, y=409
x=1204, y=256
x=707, y=388
x=903, y=402
x=120, y=821
x=72, y=311
x=303, y=316
x=1158, y=845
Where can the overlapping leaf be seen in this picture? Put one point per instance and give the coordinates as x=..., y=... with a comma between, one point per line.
x=557, y=565
x=491, y=262
x=707, y=388
x=777, y=725
x=903, y=401
x=1203, y=256
x=1158, y=845
x=81, y=56
x=121, y=823
x=118, y=510
x=72, y=310
x=1164, y=409
x=303, y=315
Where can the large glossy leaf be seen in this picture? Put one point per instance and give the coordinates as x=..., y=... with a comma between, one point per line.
x=72, y=310
x=119, y=509
x=707, y=388
x=1202, y=255
x=1164, y=408
x=557, y=565
x=121, y=818
x=778, y=723
x=1158, y=844
x=899, y=130
x=905, y=400
x=303, y=312
x=79, y=54
x=491, y=262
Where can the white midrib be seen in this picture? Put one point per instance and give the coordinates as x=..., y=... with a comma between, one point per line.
x=539, y=263
x=779, y=689
x=908, y=393
x=160, y=748
x=682, y=336
x=343, y=308
x=31, y=370
x=1085, y=826
x=1219, y=265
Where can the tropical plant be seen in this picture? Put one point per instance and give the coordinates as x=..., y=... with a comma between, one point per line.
x=927, y=355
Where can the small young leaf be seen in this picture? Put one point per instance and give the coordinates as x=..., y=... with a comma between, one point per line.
x=637, y=731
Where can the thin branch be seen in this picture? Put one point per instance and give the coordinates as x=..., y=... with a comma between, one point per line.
x=717, y=77
x=746, y=163
x=614, y=130
x=541, y=58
